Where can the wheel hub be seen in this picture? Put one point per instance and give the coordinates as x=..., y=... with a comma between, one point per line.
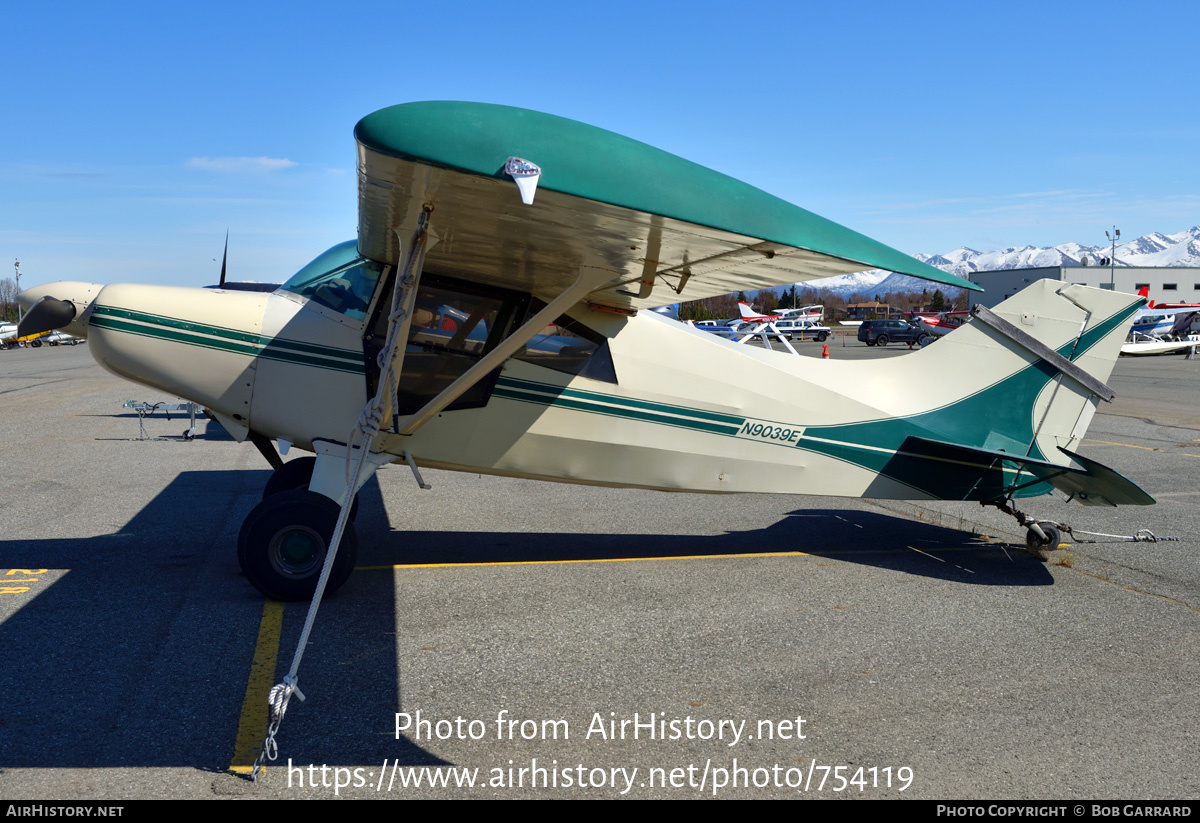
x=296, y=551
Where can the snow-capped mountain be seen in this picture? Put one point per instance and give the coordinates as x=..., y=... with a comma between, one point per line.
x=1182, y=249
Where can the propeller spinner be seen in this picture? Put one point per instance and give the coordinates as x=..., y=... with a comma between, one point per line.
x=47, y=314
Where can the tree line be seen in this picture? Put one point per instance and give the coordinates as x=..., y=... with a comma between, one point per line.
x=8, y=300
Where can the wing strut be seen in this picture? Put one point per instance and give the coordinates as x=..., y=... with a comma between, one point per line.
x=351, y=462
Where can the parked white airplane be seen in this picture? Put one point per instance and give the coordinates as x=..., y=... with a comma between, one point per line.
x=596, y=228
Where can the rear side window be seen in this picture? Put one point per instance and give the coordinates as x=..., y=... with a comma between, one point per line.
x=566, y=345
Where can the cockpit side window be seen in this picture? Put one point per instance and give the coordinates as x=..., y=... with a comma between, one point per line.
x=454, y=324
x=568, y=346
x=340, y=279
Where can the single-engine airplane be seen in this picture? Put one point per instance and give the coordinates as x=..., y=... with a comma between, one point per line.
x=813, y=313
x=483, y=229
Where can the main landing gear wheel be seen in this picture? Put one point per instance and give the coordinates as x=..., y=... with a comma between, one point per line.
x=1040, y=548
x=881, y=340
x=283, y=542
x=297, y=474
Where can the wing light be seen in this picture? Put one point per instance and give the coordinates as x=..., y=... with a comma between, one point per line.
x=526, y=175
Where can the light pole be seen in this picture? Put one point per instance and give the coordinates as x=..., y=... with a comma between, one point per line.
x=1112, y=255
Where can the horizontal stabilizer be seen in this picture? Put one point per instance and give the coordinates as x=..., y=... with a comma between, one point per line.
x=1114, y=488
x=998, y=474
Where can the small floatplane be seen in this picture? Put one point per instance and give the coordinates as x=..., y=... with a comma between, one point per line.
x=1162, y=328
x=490, y=318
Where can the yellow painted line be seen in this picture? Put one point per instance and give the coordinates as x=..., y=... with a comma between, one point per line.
x=638, y=559
x=252, y=725
x=590, y=560
x=1144, y=448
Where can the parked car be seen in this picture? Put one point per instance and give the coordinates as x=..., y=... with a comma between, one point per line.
x=882, y=332
x=797, y=329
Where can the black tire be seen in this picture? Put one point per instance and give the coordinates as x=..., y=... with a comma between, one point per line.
x=881, y=340
x=1041, y=548
x=923, y=340
x=297, y=474
x=283, y=541
x=822, y=337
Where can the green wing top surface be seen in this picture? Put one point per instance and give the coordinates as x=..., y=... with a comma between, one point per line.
x=602, y=200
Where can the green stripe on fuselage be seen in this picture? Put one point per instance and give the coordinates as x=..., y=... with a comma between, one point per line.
x=609, y=407
x=218, y=338
x=579, y=394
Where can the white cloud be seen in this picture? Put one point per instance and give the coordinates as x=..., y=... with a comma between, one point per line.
x=240, y=164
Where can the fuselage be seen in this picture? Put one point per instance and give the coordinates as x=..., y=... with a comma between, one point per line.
x=642, y=401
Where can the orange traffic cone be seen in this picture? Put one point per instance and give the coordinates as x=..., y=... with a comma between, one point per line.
x=825, y=350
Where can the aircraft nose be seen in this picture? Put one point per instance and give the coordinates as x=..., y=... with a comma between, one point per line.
x=63, y=305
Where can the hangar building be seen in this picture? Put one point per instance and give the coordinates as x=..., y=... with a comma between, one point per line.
x=1176, y=284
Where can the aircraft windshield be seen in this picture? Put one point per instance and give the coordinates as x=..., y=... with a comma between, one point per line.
x=340, y=279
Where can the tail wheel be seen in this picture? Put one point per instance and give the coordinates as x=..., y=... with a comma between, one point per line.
x=297, y=474
x=1040, y=548
x=283, y=543
x=881, y=340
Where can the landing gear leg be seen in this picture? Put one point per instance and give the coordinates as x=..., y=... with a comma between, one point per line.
x=297, y=474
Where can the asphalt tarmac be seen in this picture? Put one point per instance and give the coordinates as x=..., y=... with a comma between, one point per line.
x=545, y=640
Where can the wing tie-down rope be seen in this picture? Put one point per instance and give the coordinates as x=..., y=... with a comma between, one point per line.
x=363, y=433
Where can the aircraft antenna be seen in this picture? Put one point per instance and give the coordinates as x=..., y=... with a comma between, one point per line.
x=224, y=260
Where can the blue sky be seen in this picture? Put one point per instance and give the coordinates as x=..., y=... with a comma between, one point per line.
x=135, y=134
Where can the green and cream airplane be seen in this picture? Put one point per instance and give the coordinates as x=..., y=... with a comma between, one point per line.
x=491, y=317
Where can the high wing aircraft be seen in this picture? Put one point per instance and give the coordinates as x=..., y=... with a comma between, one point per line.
x=813, y=313
x=751, y=316
x=485, y=231
x=1161, y=323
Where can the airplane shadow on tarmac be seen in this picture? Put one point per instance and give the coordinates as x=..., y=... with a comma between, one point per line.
x=850, y=536
x=139, y=654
